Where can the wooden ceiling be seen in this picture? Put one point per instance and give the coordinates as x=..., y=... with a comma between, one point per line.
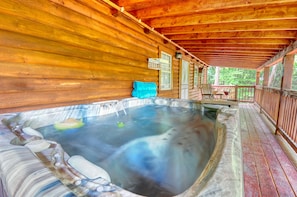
x=230, y=33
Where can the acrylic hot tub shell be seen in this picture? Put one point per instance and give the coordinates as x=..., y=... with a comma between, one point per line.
x=222, y=175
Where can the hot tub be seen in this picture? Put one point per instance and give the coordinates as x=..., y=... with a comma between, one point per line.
x=131, y=147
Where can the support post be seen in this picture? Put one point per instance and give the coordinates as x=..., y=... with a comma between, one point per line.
x=257, y=84
x=288, y=71
x=205, y=75
x=286, y=83
x=265, y=84
x=258, y=78
x=236, y=92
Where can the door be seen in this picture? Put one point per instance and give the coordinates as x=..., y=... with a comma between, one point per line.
x=184, y=81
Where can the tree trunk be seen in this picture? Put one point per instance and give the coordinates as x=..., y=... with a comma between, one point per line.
x=272, y=75
x=217, y=76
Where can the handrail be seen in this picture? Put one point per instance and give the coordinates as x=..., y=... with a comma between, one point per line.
x=268, y=98
x=242, y=93
x=282, y=114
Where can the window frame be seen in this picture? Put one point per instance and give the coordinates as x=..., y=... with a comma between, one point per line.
x=196, y=78
x=166, y=68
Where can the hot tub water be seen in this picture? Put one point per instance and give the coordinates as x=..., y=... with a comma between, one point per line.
x=159, y=151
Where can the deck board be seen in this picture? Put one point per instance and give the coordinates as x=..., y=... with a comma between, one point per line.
x=268, y=171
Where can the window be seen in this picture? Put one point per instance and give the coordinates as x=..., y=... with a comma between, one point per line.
x=195, y=76
x=165, y=71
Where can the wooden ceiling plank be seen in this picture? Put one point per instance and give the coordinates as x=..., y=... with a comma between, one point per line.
x=220, y=60
x=237, y=47
x=258, y=51
x=233, y=53
x=273, y=25
x=235, y=41
x=229, y=60
x=190, y=6
x=250, y=58
x=232, y=33
x=228, y=16
x=131, y=5
x=222, y=56
x=235, y=65
x=236, y=59
x=236, y=35
x=234, y=48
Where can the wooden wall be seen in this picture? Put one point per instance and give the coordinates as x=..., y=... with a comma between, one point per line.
x=55, y=53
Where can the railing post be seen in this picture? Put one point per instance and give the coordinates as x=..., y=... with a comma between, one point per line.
x=254, y=93
x=236, y=91
x=265, y=84
x=286, y=82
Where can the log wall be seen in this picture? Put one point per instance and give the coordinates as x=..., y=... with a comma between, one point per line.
x=55, y=53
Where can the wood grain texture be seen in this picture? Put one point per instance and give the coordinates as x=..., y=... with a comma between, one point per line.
x=55, y=53
x=216, y=23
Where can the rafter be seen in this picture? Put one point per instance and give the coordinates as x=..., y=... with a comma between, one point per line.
x=237, y=47
x=272, y=25
x=233, y=57
x=189, y=6
x=257, y=51
x=236, y=35
x=255, y=54
x=131, y=5
x=235, y=42
x=228, y=16
x=227, y=62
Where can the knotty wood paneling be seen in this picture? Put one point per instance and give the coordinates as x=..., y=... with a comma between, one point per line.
x=55, y=53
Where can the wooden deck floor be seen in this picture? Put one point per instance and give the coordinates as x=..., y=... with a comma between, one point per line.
x=268, y=168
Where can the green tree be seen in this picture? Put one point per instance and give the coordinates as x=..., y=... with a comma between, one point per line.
x=294, y=80
x=275, y=75
x=233, y=76
x=211, y=74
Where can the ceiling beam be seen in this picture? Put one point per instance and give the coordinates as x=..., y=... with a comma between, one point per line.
x=236, y=35
x=131, y=5
x=258, y=51
x=280, y=12
x=189, y=6
x=232, y=33
x=234, y=64
x=226, y=60
x=237, y=47
x=235, y=42
x=272, y=25
x=232, y=57
x=233, y=53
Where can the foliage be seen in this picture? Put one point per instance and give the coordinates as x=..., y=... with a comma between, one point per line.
x=261, y=80
x=233, y=76
x=294, y=80
x=236, y=76
x=275, y=75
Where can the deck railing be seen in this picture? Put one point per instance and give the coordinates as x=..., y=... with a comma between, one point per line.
x=236, y=93
x=281, y=108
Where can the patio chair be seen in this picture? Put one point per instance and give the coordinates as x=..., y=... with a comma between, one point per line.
x=206, y=91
